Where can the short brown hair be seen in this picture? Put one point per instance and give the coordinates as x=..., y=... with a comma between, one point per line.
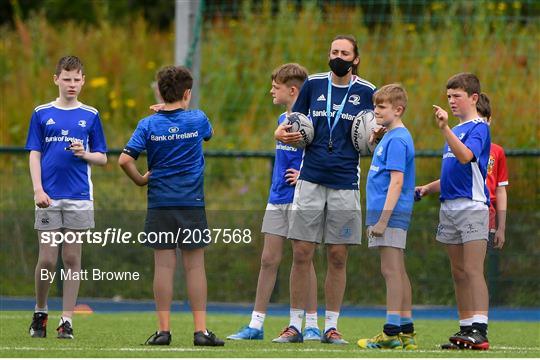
x=173, y=81
x=291, y=74
x=69, y=63
x=483, y=106
x=465, y=81
x=395, y=94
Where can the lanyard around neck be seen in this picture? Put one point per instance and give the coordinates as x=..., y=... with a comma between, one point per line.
x=331, y=127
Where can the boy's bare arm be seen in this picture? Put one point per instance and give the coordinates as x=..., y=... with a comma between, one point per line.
x=432, y=187
x=392, y=197
x=500, y=193
x=41, y=198
x=127, y=163
x=93, y=158
x=459, y=149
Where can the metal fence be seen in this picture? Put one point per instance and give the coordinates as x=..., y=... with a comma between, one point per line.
x=236, y=188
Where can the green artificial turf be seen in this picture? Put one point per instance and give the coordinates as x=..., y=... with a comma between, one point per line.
x=122, y=334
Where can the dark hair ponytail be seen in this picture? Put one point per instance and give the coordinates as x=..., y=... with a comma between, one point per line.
x=483, y=106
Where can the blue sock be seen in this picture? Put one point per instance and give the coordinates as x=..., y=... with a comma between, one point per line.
x=407, y=326
x=393, y=324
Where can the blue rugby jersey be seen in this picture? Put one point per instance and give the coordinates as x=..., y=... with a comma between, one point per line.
x=467, y=180
x=339, y=169
x=173, y=142
x=287, y=157
x=52, y=128
x=395, y=152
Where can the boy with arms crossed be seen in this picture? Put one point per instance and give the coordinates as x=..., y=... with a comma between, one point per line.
x=464, y=215
x=390, y=198
x=286, y=83
x=173, y=140
x=65, y=137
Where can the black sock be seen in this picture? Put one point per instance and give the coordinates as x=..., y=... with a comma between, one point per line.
x=465, y=328
x=407, y=328
x=164, y=333
x=391, y=330
x=480, y=327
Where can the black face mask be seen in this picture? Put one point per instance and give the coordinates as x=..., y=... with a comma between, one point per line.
x=339, y=66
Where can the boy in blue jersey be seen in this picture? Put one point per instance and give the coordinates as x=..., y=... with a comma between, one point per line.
x=286, y=83
x=464, y=215
x=173, y=140
x=327, y=197
x=65, y=137
x=390, y=198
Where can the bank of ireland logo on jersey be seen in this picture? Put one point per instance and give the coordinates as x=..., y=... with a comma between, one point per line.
x=65, y=132
x=82, y=123
x=174, y=129
x=354, y=99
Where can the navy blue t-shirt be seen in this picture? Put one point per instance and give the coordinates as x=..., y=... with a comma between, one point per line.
x=173, y=141
x=339, y=169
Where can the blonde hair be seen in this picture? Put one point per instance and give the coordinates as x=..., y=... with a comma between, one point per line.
x=291, y=74
x=395, y=94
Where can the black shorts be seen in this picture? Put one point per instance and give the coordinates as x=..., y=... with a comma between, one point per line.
x=174, y=227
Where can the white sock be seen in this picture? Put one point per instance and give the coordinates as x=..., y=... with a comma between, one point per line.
x=330, y=320
x=482, y=319
x=311, y=320
x=466, y=322
x=64, y=319
x=297, y=315
x=42, y=310
x=257, y=320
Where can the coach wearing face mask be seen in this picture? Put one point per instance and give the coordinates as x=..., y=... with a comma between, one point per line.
x=327, y=198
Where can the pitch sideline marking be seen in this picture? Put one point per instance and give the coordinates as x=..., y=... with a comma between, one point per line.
x=502, y=349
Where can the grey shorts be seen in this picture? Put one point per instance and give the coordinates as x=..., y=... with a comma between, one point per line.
x=392, y=237
x=320, y=212
x=66, y=214
x=276, y=219
x=462, y=220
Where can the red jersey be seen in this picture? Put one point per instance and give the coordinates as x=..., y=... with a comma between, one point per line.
x=497, y=175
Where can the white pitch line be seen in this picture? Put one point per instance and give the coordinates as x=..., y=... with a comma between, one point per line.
x=498, y=350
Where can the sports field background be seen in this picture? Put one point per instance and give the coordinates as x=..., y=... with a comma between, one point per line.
x=419, y=43
x=122, y=335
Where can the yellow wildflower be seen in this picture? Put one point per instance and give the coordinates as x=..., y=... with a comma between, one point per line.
x=98, y=82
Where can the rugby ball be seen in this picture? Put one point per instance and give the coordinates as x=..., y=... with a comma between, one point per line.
x=301, y=123
x=363, y=125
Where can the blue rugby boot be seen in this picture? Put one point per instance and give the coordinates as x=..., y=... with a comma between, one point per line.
x=312, y=334
x=247, y=333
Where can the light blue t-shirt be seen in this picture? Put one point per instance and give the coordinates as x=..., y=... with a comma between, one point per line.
x=287, y=157
x=467, y=180
x=52, y=128
x=173, y=142
x=395, y=152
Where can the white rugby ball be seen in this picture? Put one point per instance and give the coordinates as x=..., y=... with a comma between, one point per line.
x=363, y=125
x=302, y=124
